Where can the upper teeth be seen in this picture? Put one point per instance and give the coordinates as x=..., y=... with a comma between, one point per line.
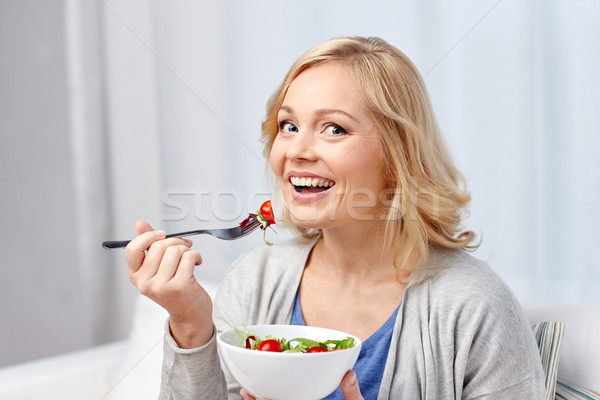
x=303, y=181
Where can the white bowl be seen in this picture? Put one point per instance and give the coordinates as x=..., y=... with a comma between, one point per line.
x=287, y=376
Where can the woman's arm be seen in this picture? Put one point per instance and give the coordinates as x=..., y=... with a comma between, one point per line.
x=163, y=270
x=192, y=373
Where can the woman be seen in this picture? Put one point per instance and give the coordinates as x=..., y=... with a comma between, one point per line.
x=367, y=184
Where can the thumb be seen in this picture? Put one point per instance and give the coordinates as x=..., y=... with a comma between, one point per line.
x=247, y=395
x=350, y=387
x=142, y=227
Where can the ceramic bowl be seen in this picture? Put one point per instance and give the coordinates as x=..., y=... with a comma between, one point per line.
x=287, y=376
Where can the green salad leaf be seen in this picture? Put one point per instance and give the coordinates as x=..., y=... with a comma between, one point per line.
x=297, y=345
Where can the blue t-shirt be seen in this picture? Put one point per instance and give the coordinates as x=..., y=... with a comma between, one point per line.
x=371, y=359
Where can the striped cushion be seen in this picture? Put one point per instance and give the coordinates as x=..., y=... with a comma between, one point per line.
x=568, y=391
x=548, y=336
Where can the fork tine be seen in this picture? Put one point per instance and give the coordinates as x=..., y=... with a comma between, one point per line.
x=251, y=227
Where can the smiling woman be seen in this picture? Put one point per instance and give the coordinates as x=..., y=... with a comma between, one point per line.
x=367, y=184
x=377, y=86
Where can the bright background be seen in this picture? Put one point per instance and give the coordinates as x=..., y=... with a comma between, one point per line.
x=114, y=111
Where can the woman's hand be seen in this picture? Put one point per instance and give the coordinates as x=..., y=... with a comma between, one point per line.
x=163, y=270
x=349, y=387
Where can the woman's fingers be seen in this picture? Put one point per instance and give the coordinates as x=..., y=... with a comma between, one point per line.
x=159, y=253
x=142, y=227
x=145, y=253
x=177, y=260
x=350, y=387
x=135, y=252
x=247, y=395
x=189, y=261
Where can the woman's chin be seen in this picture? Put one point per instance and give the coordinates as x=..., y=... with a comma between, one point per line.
x=310, y=220
x=307, y=223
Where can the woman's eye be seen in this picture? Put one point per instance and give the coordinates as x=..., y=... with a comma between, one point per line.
x=334, y=129
x=288, y=127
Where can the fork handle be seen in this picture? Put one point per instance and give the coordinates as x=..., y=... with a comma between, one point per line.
x=115, y=244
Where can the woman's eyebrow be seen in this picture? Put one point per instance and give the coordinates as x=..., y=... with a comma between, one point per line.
x=321, y=112
x=327, y=111
x=287, y=109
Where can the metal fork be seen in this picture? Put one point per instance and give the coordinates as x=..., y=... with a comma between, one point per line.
x=225, y=234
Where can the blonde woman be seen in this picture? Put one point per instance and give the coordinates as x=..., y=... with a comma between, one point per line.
x=366, y=183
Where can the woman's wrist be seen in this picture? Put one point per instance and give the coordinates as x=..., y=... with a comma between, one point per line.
x=190, y=335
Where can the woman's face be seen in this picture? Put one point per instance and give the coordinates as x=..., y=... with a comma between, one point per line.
x=327, y=155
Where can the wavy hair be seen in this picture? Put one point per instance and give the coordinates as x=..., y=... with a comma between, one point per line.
x=427, y=200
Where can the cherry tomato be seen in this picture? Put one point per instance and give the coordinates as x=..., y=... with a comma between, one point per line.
x=266, y=211
x=316, y=349
x=270, y=345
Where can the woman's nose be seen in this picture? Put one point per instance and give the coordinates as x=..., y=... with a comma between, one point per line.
x=302, y=147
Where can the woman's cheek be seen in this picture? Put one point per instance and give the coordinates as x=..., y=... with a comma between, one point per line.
x=276, y=159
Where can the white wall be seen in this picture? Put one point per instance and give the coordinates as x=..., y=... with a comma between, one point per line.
x=40, y=291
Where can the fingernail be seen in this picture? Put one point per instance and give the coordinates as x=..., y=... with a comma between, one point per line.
x=160, y=234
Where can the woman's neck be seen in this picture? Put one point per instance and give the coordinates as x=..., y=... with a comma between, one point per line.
x=355, y=253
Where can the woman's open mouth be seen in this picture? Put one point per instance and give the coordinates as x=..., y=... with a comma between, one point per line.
x=310, y=185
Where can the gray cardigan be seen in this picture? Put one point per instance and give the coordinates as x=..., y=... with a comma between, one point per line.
x=459, y=334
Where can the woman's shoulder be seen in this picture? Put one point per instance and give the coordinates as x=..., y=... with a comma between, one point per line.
x=460, y=272
x=473, y=312
x=456, y=279
x=464, y=291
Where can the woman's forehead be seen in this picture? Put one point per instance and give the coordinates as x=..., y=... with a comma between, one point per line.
x=327, y=86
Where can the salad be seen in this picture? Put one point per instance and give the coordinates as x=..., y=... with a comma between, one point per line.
x=296, y=345
x=266, y=218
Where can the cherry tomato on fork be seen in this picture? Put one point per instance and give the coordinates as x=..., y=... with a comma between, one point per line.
x=266, y=212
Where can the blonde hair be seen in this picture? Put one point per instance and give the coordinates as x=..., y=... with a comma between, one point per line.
x=427, y=198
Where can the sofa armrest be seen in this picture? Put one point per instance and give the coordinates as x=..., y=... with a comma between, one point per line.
x=580, y=349
x=84, y=374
